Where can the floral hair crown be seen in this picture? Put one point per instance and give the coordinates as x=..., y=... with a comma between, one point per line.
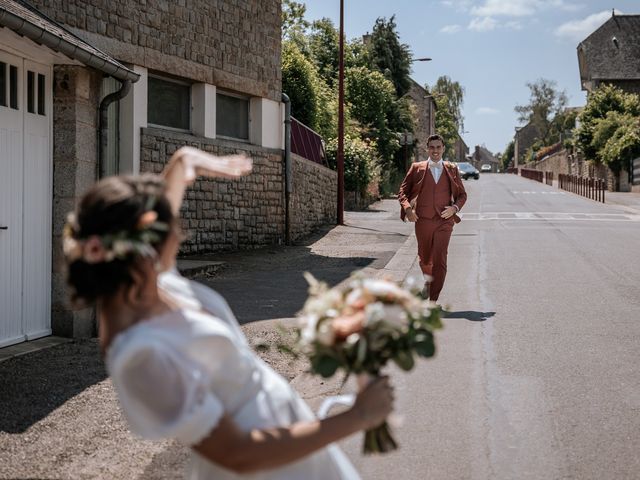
x=111, y=246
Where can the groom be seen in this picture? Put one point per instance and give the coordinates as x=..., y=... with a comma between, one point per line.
x=431, y=195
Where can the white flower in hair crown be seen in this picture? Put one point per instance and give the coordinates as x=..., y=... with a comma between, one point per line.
x=106, y=248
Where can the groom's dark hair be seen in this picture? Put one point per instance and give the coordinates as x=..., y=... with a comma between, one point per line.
x=433, y=137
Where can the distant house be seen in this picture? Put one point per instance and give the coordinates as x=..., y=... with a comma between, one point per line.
x=523, y=139
x=460, y=150
x=611, y=55
x=200, y=73
x=425, y=117
x=482, y=156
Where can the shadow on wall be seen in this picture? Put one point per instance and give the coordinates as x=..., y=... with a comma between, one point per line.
x=36, y=384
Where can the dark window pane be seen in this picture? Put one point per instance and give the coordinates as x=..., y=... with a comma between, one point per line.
x=31, y=92
x=13, y=87
x=232, y=116
x=3, y=84
x=169, y=104
x=41, y=94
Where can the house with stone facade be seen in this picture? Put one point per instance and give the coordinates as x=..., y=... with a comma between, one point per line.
x=482, y=156
x=611, y=55
x=425, y=108
x=523, y=139
x=95, y=88
x=461, y=150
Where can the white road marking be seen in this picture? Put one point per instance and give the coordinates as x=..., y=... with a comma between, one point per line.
x=552, y=216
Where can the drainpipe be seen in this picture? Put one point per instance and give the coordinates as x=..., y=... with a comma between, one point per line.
x=288, y=181
x=103, y=127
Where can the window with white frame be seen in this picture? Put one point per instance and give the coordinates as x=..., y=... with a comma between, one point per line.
x=169, y=103
x=232, y=116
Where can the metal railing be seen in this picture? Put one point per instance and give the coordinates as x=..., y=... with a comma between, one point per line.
x=548, y=178
x=536, y=175
x=307, y=143
x=589, y=187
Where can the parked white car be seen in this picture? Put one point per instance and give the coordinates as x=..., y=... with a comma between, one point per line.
x=485, y=168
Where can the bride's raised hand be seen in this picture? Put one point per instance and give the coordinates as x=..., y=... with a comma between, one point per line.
x=187, y=163
x=199, y=163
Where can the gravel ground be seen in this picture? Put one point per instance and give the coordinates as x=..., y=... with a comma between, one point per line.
x=59, y=416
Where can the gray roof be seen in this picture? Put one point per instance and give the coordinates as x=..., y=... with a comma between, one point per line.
x=612, y=52
x=26, y=20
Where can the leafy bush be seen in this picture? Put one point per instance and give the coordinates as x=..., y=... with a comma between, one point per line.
x=360, y=165
x=298, y=82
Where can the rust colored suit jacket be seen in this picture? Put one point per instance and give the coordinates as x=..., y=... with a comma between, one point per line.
x=412, y=183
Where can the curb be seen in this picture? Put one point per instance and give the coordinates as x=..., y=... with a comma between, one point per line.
x=197, y=268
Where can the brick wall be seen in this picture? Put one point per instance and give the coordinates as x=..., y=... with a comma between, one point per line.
x=224, y=214
x=234, y=44
x=314, y=200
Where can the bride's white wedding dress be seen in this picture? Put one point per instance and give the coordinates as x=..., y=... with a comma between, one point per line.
x=176, y=374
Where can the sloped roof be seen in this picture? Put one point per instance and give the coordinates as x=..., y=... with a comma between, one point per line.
x=612, y=52
x=26, y=20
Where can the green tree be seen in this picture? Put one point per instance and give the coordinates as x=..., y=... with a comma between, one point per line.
x=545, y=103
x=324, y=49
x=389, y=56
x=600, y=103
x=452, y=96
x=294, y=25
x=508, y=155
x=360, y=165
x=372, y=102
x=617, y=139
x=300, y=84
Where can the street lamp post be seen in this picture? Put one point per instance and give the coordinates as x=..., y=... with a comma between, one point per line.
x=340, y=155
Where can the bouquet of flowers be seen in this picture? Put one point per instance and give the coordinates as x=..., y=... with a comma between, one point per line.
x=360, y=327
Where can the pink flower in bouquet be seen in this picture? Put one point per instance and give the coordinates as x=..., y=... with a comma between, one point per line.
x=347, y=325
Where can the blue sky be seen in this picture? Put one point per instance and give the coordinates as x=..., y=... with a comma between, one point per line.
x=492, y=47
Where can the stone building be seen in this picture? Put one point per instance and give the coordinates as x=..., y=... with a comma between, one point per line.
x=461, y=150
x=425, y=118
x=482, y=156
x=523, y=139
x=198, y=73
x=611, y=55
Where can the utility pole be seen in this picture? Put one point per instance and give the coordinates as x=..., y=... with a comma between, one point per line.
x=340, y=159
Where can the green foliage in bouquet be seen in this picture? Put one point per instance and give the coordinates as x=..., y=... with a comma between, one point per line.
x=362, y=326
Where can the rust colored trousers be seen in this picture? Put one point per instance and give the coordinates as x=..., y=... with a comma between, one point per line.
x=433, y=236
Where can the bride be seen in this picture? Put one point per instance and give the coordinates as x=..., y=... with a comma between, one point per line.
x=175, y=353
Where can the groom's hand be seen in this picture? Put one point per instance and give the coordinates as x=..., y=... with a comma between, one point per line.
x=410, y=215
x=449, y=212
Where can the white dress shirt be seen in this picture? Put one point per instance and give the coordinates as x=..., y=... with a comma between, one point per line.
x=436, y=169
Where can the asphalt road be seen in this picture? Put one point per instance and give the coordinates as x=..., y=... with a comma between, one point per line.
x=537, y=371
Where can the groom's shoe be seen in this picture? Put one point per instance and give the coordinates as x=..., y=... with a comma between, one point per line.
x=425, y=291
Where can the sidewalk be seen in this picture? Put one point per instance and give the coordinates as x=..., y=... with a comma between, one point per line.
x=629, y=201
x=58, y=411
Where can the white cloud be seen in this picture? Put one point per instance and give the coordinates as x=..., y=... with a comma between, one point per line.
x=520, y=8
x=487, y=111
x=450, y=29
x=484, y=24
x=578, y=30
x=513, y=25
x=459, y=5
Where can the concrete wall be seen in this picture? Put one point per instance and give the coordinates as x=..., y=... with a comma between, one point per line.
x=233, y=44
x=75, y=147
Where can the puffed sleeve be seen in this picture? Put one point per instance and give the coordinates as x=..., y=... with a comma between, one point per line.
x=163, y=393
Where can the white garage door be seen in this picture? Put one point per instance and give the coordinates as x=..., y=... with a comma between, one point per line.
x=25, y=199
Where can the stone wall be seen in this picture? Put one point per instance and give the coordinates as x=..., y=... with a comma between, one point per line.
x=233, y=44
x=423, y=105
x=314, y=200
x=224, y=214
x=75, y=147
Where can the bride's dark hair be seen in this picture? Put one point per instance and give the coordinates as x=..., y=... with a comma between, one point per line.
x=114, y=207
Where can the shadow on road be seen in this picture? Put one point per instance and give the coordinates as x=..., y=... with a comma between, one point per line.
x=470, y=315
x=34, y=385
x=274, y=286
